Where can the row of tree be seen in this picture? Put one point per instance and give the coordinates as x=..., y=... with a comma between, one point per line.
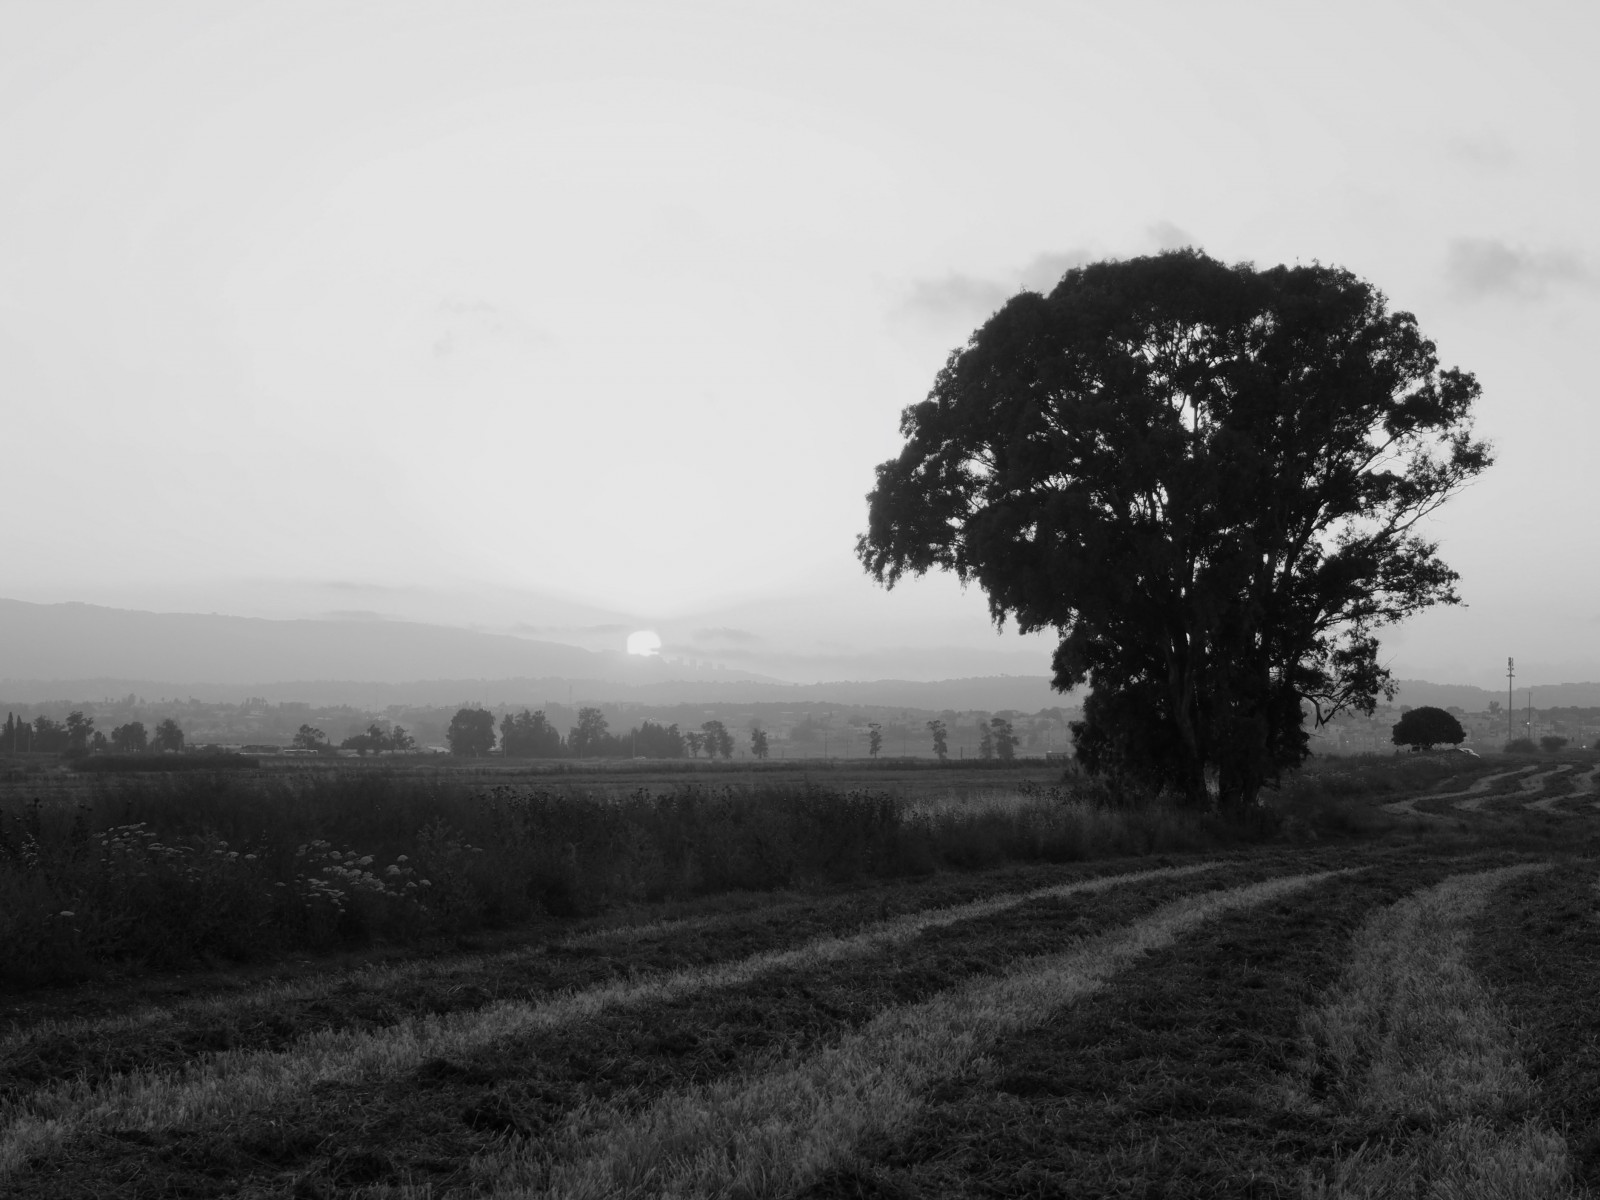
x=77, y=736
x=376, y=740
x=996, y=740
x=531, y=735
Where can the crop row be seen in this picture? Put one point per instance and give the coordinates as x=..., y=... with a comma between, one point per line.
x=1192, y=1027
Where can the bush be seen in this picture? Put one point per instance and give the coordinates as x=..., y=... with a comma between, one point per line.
x=1551, y=742
x=1520, y=745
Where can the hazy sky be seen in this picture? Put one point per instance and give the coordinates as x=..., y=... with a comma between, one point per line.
x=443, y=309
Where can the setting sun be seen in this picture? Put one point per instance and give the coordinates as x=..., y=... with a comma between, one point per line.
x=644, y=642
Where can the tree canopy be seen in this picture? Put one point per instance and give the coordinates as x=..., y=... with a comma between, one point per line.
x=1426, y=727
x=1208, y=480
x=471, y=733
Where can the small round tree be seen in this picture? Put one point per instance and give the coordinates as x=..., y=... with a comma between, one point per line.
x=1426, y=727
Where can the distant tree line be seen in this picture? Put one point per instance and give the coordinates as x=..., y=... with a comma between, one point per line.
x=77, y=736
x=531, y=735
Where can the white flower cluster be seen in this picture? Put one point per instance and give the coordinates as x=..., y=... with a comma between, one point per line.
x=339, y=873
x=138, y=844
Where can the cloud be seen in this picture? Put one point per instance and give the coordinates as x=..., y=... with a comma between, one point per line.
x=954, y=296
x=970, y=298
x=1487, y=267
x=1483, y=151
x=466, y=322
x=1046, y=270
x=1168, y=236
x=723, y=633
x=569, y=630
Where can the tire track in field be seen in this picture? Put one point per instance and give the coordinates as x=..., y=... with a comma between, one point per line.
x=1532, y=783
x=1411, y=1040
x=232, y=1083
x=772, y=1133
x=1408, y=806
x=1548, y=803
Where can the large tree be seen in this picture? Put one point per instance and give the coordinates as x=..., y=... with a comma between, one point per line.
x=1208, y=480
x=1426, y=727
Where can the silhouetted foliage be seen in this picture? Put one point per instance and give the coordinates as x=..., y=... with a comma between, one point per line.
x=1521, y=745
x=758, y=742
x=79, y=730
x=588, y=737
x=1426, y=727
x=941, y=739
x=1004, y=738
x=167, y=737
x=1551, y=742
x=1207, y=479
x=471, y=733
x=130, y=738
x=717, y=739
x=308, y=737
x=529, y=735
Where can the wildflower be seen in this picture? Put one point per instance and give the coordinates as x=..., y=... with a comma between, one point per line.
x=427, y=883
x=250, y=858
x=365, y=861
x=402, y=858
x=67, y=912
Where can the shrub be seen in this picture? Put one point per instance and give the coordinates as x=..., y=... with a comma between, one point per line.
x=1521, y=745
x=1551, y=742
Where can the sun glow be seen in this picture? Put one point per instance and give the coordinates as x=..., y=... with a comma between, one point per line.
x=644, y=643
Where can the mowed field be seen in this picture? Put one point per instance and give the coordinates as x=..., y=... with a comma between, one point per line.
x=1392, y=996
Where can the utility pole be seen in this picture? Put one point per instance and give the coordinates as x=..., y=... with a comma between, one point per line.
x=1511, y=671
x=1530, y=714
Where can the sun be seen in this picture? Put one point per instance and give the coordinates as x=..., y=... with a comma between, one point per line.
x=644, y=643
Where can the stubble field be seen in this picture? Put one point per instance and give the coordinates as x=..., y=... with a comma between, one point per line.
x=1385, y=993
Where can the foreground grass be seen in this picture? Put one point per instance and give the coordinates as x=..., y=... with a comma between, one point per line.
x=1162, y=1085
x=229, y=1084
x=1538, y=954
x=1411, y=1038
x=769, y=1134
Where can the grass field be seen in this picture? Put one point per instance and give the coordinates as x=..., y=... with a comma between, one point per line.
x=1334, y=1000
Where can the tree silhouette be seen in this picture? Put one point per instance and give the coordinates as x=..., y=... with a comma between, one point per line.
x=1426, y=727
x=471, y=733
x=167, y=737
x=1207, y=480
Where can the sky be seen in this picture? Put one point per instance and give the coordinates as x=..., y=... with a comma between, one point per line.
x=580, y=319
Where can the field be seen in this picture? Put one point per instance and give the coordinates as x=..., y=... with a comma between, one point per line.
x=969, y=983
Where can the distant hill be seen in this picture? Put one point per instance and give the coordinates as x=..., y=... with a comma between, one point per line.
x=1418, y=692
x=989, y=693
x=84, y=651
x=46, y=642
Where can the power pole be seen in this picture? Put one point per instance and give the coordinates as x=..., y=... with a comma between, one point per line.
x=1511, y=672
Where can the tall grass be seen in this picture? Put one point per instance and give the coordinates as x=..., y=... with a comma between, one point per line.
x=165, y=871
